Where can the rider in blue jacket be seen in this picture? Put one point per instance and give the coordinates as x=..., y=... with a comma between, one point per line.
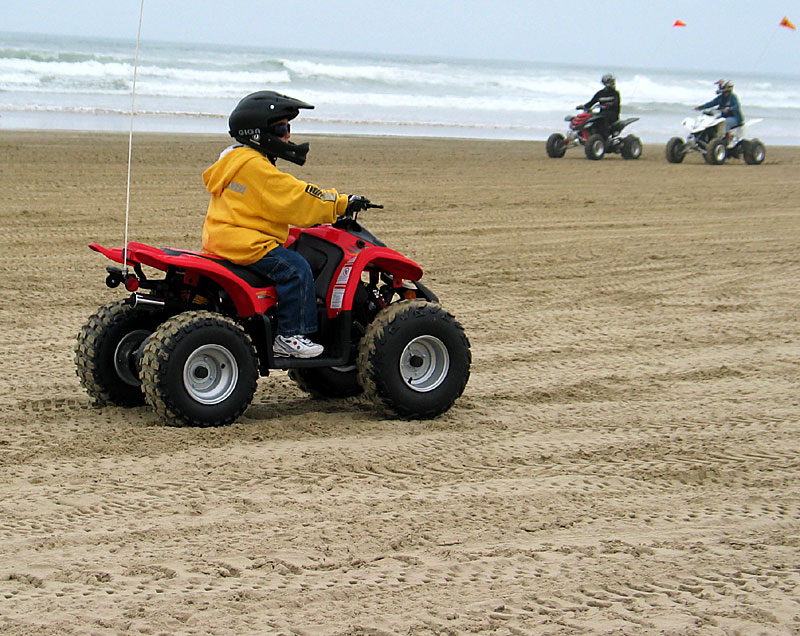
x=727, y=103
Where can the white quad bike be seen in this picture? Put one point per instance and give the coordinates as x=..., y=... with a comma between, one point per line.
x=706, y=134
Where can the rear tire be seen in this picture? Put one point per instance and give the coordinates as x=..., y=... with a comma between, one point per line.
x=555, y=146
x=631, y=147
x=199, y=369
x=716, y=152
x=414, y=359
x=595, y=147
x=755, y=152
x=107, y=350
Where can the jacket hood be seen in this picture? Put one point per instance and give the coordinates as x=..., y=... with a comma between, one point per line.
x=218, y=176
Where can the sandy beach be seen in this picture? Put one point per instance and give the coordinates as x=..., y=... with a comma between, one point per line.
x=624, y=459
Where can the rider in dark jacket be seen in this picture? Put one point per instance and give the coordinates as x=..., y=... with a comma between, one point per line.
x=609, y=100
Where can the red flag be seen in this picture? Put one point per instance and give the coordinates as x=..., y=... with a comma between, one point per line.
x=787, y=23
x=681, y=23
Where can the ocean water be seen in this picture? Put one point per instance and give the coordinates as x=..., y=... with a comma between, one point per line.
x=56, y=82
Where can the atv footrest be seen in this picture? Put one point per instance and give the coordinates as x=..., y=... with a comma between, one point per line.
x=335, y=355
x=280, y=362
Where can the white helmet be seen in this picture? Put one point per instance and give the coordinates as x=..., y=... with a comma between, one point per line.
x=724, y=86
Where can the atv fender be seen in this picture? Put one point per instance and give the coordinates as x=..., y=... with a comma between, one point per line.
x=348, y=277
x=248, y=300
x=112, y=253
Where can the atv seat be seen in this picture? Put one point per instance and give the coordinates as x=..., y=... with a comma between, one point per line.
x=252, y=278
x=618, y=125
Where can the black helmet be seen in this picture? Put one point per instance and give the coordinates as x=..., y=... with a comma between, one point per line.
x=252, y=118
x=609, y=80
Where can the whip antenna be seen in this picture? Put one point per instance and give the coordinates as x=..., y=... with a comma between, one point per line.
x=130, y=140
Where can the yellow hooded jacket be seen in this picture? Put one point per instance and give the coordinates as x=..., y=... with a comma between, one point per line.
x=253, y=204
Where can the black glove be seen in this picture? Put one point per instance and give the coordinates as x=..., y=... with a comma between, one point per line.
x=356, y=203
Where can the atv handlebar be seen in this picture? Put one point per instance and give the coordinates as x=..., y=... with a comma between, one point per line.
x=356, y=203
x=349, y=220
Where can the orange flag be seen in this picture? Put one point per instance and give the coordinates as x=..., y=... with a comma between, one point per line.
x=787, y=23
x=681, y=23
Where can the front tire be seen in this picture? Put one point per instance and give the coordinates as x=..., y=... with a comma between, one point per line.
x=555, y=146
x=675, y=150
x=107, y=351
x=595, y=147
x=631, y=147
x=754, y=152
x=199, y=369
x=414, y=359
x=716, y=152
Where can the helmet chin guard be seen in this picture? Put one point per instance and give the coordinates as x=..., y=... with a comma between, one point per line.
x=251, y=120
x=274, y=147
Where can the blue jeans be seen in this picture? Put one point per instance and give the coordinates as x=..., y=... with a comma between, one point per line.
x=731, y=122
x=294, y=282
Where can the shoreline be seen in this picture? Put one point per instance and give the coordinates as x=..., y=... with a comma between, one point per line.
x=651, y=150
x=211, y=124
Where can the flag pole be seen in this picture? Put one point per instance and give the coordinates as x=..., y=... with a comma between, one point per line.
x=761, y=55
x=130, y=141
x=785, y=22
x=659, y=48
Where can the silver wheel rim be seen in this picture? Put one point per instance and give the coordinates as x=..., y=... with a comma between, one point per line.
x=424, y=364
x=124, y=362
x=210, y=374
x=719, y=153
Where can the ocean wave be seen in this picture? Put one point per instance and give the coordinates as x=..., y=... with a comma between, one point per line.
x=66, y=57
x=62, y=75
x=80, y=74
x=373, y=85
x=95, y=110
x=387, y=74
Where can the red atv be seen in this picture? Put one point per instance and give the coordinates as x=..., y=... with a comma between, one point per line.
x=194, y=345
x=583, y=131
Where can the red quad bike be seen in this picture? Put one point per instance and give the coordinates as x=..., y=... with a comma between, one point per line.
x=583, y=131
x=194, y=345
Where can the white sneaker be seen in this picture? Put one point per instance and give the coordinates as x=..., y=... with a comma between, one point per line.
x=296, y=347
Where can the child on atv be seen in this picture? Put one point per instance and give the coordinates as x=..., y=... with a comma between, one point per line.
x=253, y=204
